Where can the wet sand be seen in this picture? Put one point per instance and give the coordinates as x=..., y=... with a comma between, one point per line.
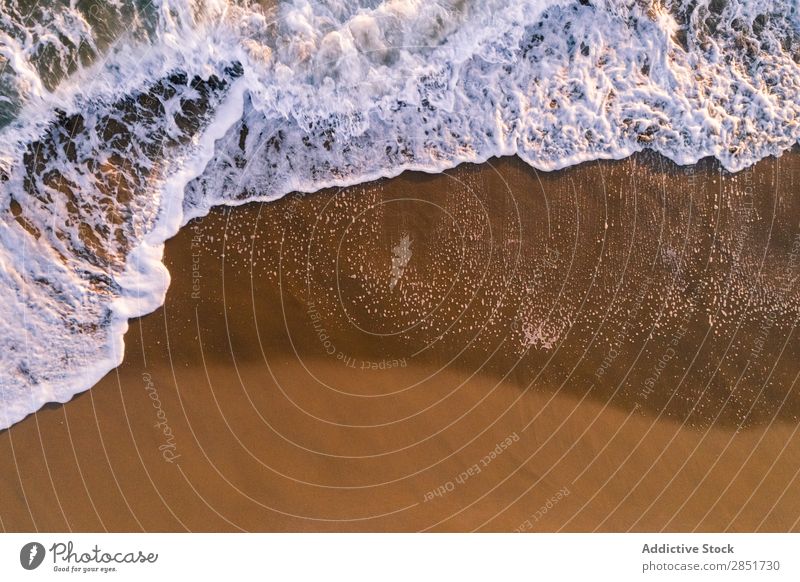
x=609, y=347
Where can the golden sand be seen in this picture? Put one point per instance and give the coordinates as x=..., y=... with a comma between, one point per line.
x=609, y=347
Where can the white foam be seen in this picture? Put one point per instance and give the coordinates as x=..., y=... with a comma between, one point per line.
x=341, y=92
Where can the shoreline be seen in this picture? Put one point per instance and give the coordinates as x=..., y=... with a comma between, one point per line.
x=630, y=321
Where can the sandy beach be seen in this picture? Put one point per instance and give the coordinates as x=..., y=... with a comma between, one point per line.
x=610, y=347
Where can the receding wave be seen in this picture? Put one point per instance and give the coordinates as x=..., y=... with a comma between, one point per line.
x=121, y=122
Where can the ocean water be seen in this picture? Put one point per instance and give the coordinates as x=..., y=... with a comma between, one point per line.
x=122, y=120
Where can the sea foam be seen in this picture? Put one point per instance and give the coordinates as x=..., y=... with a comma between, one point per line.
x=197, y=104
